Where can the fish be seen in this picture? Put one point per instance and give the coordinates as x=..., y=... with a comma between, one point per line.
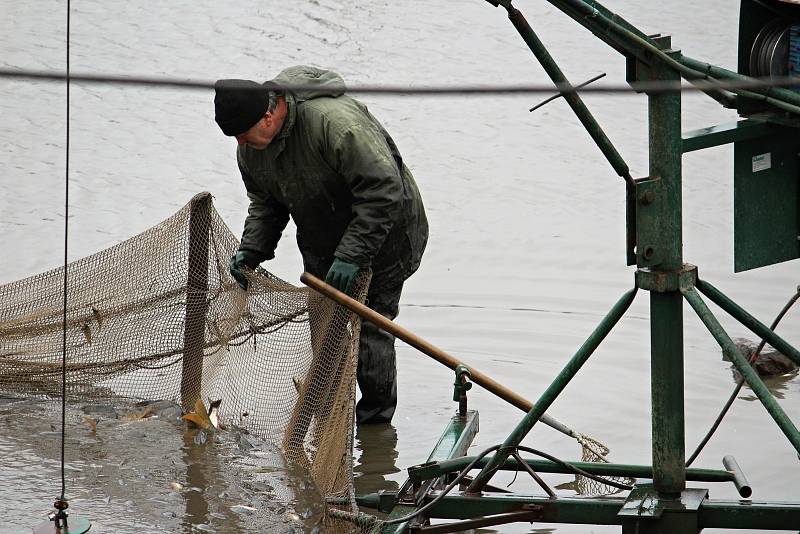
x=91, y=422
x=213, y=412
x=298, y=384
x=202, y=418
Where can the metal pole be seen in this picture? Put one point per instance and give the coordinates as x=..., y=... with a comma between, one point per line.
x=196, y=302
x=666, y=309
x=757, y=327
x=585, y=116
x=552, y=392
x=749, y=374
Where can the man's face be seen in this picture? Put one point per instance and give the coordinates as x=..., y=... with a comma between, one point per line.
x=261, y=134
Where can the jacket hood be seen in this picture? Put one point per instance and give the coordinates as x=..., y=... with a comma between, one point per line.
x=311, y=82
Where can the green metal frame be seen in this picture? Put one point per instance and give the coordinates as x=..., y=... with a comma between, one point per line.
x=667, y=505
x=454, y=443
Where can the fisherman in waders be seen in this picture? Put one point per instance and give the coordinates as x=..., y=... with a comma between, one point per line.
x=319, y=157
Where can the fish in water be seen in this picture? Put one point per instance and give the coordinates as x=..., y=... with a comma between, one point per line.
x=202, y=418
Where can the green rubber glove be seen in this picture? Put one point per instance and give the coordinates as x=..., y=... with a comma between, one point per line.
x=240, y=260
x=342, y=274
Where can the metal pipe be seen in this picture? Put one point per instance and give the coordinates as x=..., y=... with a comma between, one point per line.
x=739, y=480
x=552, y=392
x=666, y=312
x=561, y=92
x=585, y=116
x=429, y=349
x=583, y=11
x=438, y=469
x=627, y=38
x=740, y=314
x=741, y=364
x=784, y=95
x=573, y=99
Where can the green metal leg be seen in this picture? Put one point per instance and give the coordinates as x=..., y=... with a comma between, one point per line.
x=749, y=374
x=740, y=314
x=666, y=391
x=666, y=311
x=552, y=392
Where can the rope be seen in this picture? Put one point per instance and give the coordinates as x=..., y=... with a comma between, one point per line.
x=66, y=244
x=740, y=381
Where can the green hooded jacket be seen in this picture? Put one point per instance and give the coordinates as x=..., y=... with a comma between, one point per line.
x=339, y=175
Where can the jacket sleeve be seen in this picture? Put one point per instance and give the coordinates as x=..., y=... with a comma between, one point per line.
x=365, y=161
x=266, y=219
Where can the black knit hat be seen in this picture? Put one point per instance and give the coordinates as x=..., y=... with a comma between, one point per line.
x=239, y=105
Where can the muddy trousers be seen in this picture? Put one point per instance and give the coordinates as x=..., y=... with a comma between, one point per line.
x=377, y=371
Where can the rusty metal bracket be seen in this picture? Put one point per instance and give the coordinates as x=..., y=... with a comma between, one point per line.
x=667, y=281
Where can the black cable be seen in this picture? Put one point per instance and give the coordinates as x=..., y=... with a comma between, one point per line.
x=740, y=381
x=576, y=470
x=66, y=243
x=463, y=473
x=444, y=492
x=655, y=87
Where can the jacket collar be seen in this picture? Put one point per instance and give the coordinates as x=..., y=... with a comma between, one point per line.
x=286, y=130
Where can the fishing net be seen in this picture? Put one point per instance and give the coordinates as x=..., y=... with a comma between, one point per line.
x=159, y=317
x=594, y=451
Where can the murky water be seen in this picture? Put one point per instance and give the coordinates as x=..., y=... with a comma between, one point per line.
x=134, y=468
x=527, y=246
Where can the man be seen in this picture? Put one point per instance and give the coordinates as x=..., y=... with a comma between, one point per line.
x=309, y=151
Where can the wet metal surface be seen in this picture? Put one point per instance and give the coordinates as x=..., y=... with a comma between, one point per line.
x=527, y=245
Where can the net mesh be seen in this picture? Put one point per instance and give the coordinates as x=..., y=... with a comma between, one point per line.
x=159, y=317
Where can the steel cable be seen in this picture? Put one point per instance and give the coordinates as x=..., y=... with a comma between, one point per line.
x=66, y=248
x=654, y=87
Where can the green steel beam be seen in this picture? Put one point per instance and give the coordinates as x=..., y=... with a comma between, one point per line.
x=435, y=470
x=757, y=515
x=573, y=99
x=601, y=21
x=628, y=40
x=666, y=309
x=576, y=510
x=742, y=365
x=723, y=134
x=740, y=314
x=588, y=121
x=551, y=393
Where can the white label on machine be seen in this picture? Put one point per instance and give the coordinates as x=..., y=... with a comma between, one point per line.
x=762, y=162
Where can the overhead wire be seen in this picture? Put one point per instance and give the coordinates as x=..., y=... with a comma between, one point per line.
x=654, y=87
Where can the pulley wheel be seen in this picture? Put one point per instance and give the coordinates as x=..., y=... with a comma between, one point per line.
x=75, y=525
x=769, y=56
x=779, y=55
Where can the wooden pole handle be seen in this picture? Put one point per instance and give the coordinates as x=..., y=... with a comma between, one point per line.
x=417, y=342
